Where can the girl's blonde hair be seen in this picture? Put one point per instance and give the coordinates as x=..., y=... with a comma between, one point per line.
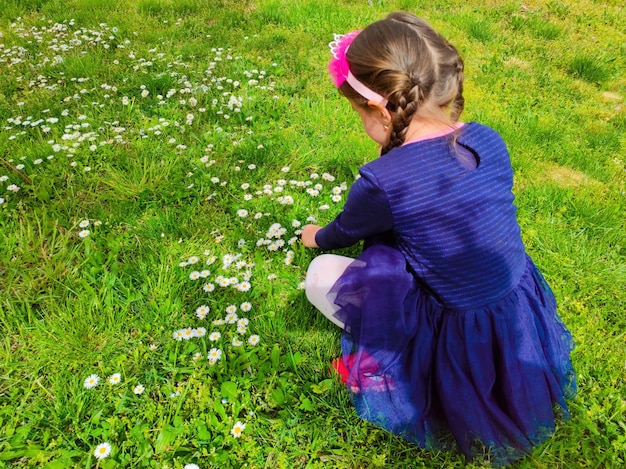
x=405, y=60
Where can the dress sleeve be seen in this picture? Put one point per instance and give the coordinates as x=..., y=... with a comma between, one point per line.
x=365, y=214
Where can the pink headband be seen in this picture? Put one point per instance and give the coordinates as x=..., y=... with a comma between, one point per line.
x=340, y=71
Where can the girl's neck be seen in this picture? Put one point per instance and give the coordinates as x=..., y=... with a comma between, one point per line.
x=422, y=129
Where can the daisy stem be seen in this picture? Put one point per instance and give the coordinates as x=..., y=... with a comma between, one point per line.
x=19, y=173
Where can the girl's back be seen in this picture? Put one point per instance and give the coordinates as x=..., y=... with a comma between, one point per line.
x=453, y=212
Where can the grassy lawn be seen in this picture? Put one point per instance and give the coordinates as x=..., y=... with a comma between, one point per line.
x=157, y=158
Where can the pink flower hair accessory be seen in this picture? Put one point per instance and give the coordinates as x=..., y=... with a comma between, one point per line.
x=339, y=69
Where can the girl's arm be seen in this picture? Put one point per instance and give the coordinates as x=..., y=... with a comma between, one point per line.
x=365, y=214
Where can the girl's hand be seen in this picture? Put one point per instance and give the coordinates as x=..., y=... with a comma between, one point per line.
x=308, y=235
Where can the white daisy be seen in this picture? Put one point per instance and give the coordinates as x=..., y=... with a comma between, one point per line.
x=202, y=311
x=214, y=354
x=231, y=318
x=243, y=286
x=102, y=450
x=139, y=389
x=115, y=378
x=91, y=381
x=253, y=339
x=237, y=429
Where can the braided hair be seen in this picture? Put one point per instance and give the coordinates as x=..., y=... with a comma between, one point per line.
x=404, y=59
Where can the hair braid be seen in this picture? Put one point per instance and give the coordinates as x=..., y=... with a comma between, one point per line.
x=459, y=101
x=406, y=107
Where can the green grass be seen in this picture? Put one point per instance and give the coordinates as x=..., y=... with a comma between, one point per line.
x=97, y=143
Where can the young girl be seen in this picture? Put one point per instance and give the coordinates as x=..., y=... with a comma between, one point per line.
x=451, y=335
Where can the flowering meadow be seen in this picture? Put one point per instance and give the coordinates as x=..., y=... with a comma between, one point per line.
x=158, y=161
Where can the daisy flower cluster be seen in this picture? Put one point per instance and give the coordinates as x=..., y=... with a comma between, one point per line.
x=228, y=327
x=285, y=192
x=76, y=135
x=93, y=380
x=85, y=227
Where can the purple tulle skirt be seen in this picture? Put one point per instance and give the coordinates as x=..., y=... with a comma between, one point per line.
x=489, y=382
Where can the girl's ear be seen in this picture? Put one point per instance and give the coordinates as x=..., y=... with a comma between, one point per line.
x=384, y=113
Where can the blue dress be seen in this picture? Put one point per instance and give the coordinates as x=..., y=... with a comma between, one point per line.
x=452, y=337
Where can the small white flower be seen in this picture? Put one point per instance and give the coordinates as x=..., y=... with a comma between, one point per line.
x=243, y=322
x=83, y=233
x=84, y=224
x=91, y=381
x=236, y=342
x=194, y=275
x=139, y=389
x=231, y=318
x=102, y=450
x=214, y=336
x=115, y=378
x=242, y=213
x=191, y=466
x=238, y=429
x=202, y=311
x=253, y=339
x=209, y=287
x=214, y=354
x=243, y=286
x=246, y=306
